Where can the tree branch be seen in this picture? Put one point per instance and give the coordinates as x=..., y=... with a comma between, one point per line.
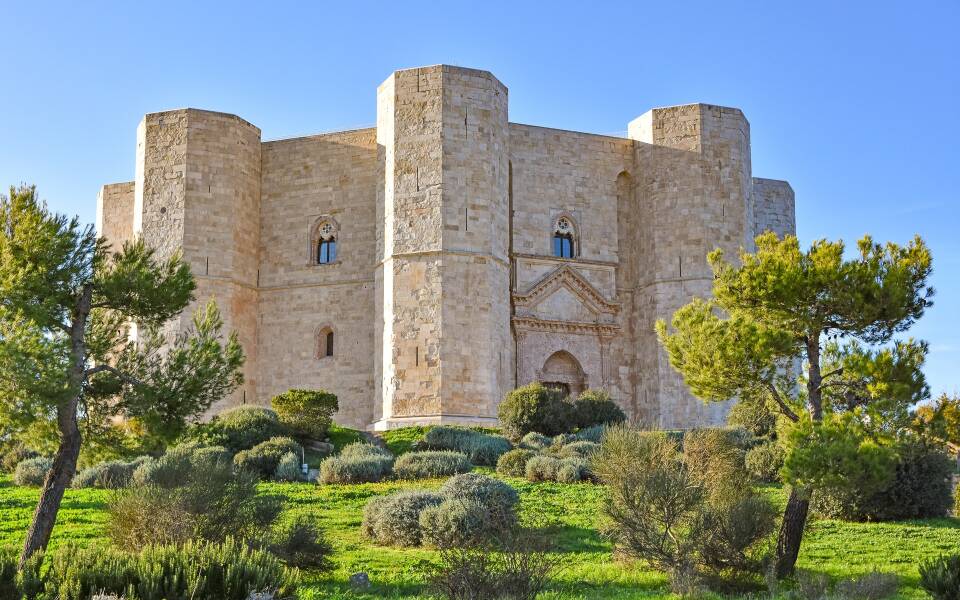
x=783, y=405
x=837, y=371
x=115, y=371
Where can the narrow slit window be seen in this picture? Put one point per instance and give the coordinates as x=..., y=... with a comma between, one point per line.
x=329, y=343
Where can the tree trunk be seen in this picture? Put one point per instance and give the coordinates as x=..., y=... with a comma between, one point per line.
x=65, y=462
x=55, y=484
x=791, y=533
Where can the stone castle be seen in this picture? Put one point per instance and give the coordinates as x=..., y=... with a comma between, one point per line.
x=423, y=268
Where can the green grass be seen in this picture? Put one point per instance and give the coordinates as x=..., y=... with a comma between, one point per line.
x=343, y=436
x=837, y=548
x=399, y=441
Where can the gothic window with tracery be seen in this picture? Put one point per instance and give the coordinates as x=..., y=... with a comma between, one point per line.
x=325, y=242
x=564, y=238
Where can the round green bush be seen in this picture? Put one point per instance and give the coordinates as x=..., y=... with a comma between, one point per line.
x=14, y=456
x=172, y=468
x=394, y=520
x=306, y=413
x=535, y=441
x=542, y=468
x=499, y=498
x=246, y=426
x=764, y=461
x=534, y=407
x=594, y=433
x=572, y=470
x=514, y=462
x=289, y=469
x=431, y=463
x=456, y=523
x=594, y=407
x=355, y=469
x=919, y=489
x=263, y=458
x=481, y=448
x=364, y=450
x=562, y=439
x=33, y=471
x=578, y=449
x=113, y=474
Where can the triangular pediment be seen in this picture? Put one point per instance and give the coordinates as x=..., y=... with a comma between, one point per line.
x=565, y=295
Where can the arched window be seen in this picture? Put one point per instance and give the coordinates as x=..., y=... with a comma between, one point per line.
x=324, y=234
x=325, y=342
x=564, y=238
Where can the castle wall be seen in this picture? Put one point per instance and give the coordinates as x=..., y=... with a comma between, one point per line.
x=773, y=207
x=115, y=213
x=696, y=191
x=305, y=180
x=445, y=293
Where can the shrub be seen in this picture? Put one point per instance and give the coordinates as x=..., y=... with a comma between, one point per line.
x=364, y=450
x=534, y=407
x=14, y=456
x=176, y=465
x=207, y=500
x=940, y=577
x=289, y=469
x=33, y=471
x=515, y=565
x=542, y=468
x=594, y=433
x=919, y=489
x=458, y=522
x=561, y=440
x=579, y=449
x=228, y=571
x=572, y=470
x=514, y=462
x=306, y=413
x=394, y=520
x=535, y=441
x=264, y=458
x=357, y=463
x=688, y=513
x=246, y=426
x=764, y=461
x=481, y=448
x=299, y=542
x=872, y=586
x=112, y=474
x=431, y=463
x=498, y=497
x=594, y=407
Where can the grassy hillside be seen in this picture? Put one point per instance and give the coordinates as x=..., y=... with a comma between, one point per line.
x=840, y=549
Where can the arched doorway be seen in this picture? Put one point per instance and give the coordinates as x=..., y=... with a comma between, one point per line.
x=562, y=372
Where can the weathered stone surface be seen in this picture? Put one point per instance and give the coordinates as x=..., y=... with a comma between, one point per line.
x=444, y=292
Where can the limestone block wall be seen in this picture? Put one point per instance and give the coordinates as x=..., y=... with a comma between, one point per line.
x=115, y=213
x=696, y=186
x=445, y=292
x=305, y=181
x=773, y=207
x=198, y=192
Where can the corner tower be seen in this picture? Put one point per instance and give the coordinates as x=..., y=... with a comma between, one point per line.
x=197, y=191
x=699, y=199
x=443, y=277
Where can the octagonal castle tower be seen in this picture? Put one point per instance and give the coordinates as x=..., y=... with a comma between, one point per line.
x=422, y=268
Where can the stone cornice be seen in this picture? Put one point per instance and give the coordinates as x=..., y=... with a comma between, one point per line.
x=524, y=324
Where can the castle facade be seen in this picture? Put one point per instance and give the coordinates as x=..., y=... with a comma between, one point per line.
x=423, y=268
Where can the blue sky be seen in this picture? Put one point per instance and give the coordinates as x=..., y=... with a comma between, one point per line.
x=856, y=104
